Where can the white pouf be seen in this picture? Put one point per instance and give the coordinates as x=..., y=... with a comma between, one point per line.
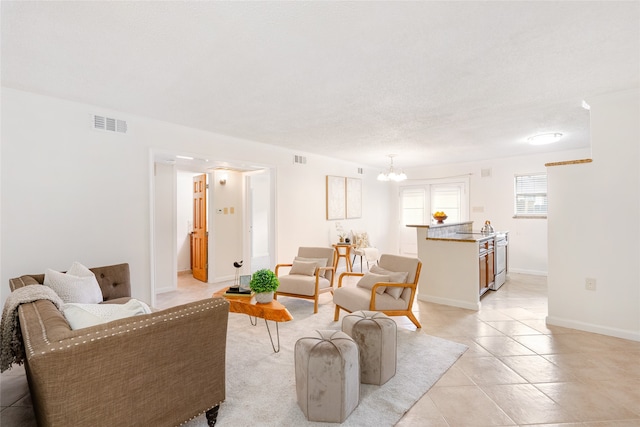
x=376, y=336
x=327, y=376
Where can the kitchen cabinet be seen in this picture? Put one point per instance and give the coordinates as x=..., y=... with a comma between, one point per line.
x=486, y=264
x=482, y=266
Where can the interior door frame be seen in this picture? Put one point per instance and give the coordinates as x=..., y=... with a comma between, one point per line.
x=248, y=220
x=159, y=155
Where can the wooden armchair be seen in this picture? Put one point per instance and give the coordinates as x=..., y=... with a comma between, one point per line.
x=389, y=288
x=310, y=274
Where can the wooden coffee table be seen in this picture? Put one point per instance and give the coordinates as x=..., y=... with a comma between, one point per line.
x=273, y=311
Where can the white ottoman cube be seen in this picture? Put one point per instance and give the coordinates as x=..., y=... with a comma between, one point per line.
x=376, y=336
x=327, y=376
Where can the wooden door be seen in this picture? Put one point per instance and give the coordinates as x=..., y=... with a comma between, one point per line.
x=200, y=262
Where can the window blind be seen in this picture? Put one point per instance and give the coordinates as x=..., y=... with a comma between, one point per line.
x=531, y=195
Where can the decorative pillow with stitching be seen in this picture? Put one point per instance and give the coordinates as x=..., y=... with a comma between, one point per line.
x=394, y=277
x=369, y=279
x=361, y=239
x=78, y=285
x=306, y=268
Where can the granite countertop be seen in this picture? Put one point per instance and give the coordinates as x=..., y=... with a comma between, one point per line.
x=461, y=236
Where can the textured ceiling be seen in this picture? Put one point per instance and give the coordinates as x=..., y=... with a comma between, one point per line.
x=433, y=82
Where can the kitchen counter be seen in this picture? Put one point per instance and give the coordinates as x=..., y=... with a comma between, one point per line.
x=465, y=237
x=453, y=261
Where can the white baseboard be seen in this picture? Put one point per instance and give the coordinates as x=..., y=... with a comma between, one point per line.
x=532, y=272
x=223, y=279
x=165, y=289
x=596, y=329
x=449, y=301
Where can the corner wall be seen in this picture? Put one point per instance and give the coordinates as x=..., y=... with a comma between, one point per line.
x=594, y=229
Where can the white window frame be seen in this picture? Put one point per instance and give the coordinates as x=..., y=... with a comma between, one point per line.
x=426, y=185
x=520, y=213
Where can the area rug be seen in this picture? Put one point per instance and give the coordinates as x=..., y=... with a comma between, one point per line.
x=261, y=389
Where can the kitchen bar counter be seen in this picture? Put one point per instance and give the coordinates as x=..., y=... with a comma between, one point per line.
x=462, y=236
x=451, y=269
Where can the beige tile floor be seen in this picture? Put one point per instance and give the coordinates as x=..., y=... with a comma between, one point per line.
x=517, y=371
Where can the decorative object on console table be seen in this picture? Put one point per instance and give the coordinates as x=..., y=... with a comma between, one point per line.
x=341, y=233
x=237, y=265
x=264, y=283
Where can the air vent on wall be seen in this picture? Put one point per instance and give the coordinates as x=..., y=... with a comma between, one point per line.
x=485, y=173
x=360, y=171
x=301, y=160
x=109, y=124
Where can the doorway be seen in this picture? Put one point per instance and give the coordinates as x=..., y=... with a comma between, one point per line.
x=240, y=217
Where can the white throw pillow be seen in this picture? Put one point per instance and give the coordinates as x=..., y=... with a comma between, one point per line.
x=394, y=277
x=80, y=270
x=81, y=287
x=322, y=262
x=305, y=268
x=369, y=279
x=85, y=315
x=361, y=239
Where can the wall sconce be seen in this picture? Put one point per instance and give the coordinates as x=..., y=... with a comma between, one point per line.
x=223, y=179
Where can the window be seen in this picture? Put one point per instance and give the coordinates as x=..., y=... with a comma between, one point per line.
x=419, y=201
x=448, y=198
x=531, y=195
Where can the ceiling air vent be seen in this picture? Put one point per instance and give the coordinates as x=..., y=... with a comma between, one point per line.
x=300, y=160
x=109, y=124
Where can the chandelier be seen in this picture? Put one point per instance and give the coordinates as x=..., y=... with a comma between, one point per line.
x=392, y=175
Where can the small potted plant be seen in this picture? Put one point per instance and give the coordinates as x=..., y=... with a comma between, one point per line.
x=264, y=283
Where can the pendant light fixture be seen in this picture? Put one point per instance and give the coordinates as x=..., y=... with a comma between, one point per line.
x=391, y=174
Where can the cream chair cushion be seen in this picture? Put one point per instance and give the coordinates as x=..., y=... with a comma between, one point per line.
x=301, y=285
x=356, y=298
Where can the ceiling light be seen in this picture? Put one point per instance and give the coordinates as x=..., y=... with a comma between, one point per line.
x=392, y=175
x=184, y=157
x=544, y=138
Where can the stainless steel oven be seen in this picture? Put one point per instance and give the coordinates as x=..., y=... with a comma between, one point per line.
x=501, y=242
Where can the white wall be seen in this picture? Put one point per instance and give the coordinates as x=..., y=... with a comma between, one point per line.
x=594, y=226
x=225, y=231
x=494, y=195
x=73, y=193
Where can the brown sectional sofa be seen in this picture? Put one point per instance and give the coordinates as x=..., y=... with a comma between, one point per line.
x=159, y=369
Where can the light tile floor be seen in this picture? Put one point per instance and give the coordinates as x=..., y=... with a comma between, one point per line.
x=517, y=371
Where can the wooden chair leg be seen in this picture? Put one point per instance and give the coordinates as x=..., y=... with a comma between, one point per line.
x=315, y=304
x=336, y=316
x=413, y=318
